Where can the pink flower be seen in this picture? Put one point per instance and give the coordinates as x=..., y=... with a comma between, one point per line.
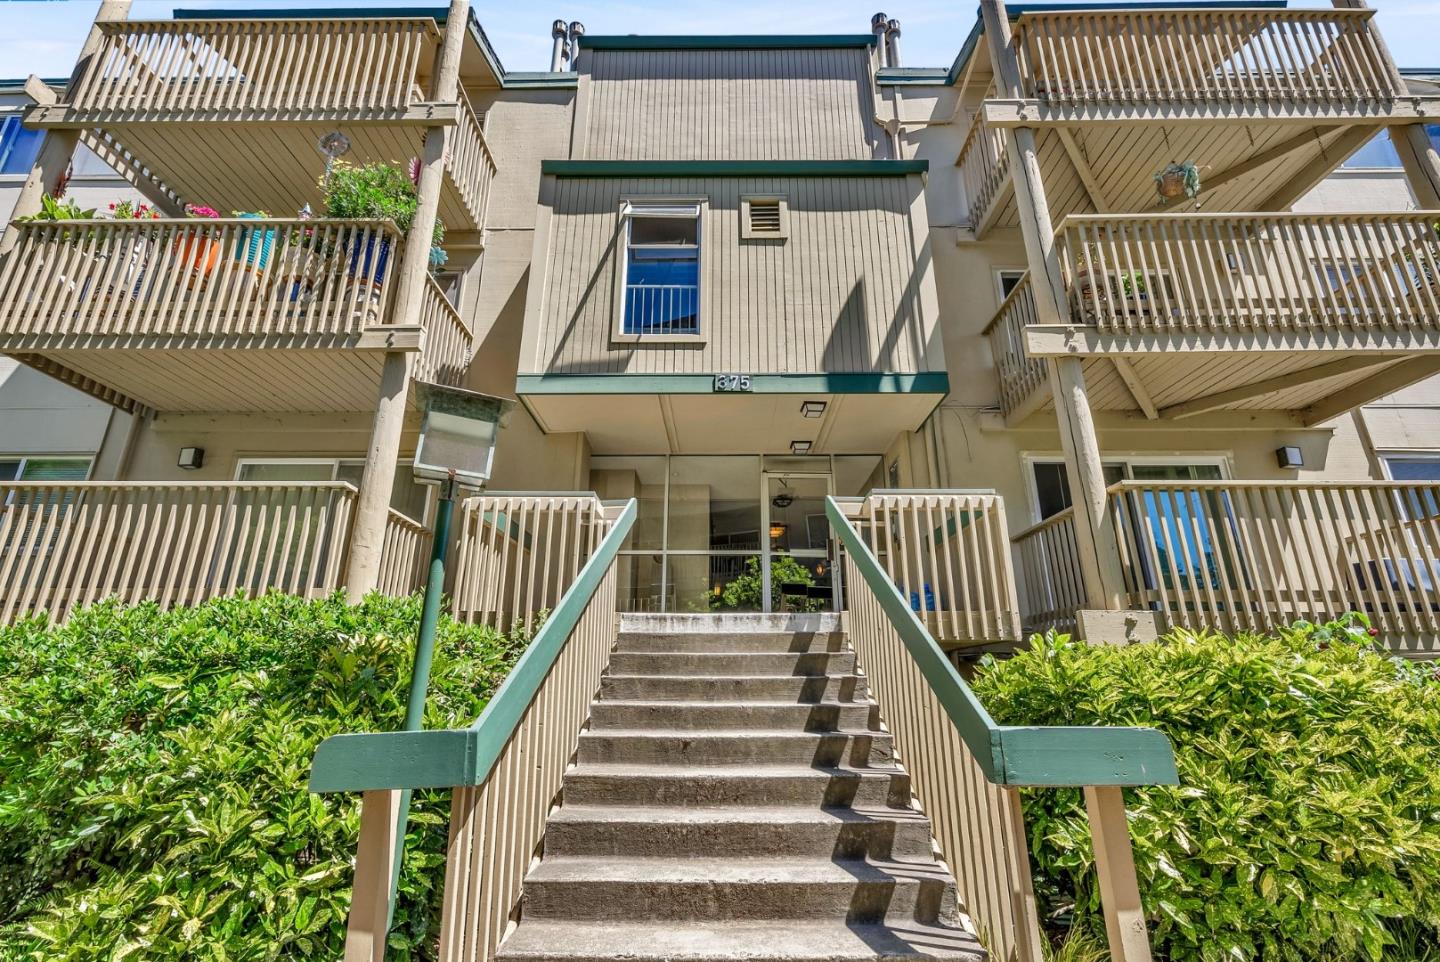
x=199, y=210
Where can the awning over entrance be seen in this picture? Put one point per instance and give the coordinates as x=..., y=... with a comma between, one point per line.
x=745, y=414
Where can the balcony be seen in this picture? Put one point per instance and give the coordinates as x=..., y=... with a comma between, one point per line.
x=1269, y=100
x=220, y=315
x=227, y=113
x=1255, y=555
x=1184, y=314
x=64, y=546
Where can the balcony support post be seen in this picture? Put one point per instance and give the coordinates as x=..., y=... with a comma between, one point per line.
x=58, y=147
x=1096, y=545
x=373, y=509
x=1421, y=161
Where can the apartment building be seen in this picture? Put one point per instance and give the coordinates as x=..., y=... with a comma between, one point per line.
x=731, y=276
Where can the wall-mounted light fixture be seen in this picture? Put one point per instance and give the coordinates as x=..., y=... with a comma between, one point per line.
x=800, y=447
x=812, y=409
x=191, y=459
x=1289, y=456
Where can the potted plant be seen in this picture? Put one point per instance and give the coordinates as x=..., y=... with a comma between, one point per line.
x=199, y=249
x=375, y=192
x=139, y=243
x=1135, y=292
x=1178, y=180
x=1087, y=288
x=254, y=244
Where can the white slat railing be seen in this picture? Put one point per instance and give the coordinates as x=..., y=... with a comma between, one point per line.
x=215, y=278
x=448, y=341
x=518, y=553
x=63, y=546
x=470, y=166
x=1254, y=555
x=1051, y=589
x=1154, y=57
x=505, y=770
x=1020, y=375
x=948, y=552
x=404, y=556
x=1271, y=272
x=984, y=170
x=301, y=69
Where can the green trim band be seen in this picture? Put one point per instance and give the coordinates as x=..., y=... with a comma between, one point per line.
x=730, y=42
x=928, y=382
x=465, y=756
x=733, y=168
x=1055, y=756
x=900, y=76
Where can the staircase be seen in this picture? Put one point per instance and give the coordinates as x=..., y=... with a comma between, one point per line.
x=735, y=799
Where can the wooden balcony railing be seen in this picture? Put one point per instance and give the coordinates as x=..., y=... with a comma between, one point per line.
x=1020, y=374
x=470, y=167
x=304, y=69
x=1253, y=555
x=1221, y=273
x=984, y=171
x=1159, y=57
x=64, y=546
x=1051, y=589
x=947, y=552
x=448, y=340
x=518, y=553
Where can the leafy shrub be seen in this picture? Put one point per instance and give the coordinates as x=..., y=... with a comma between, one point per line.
x=1307, y=822
x=746, y=591
x=153, y=770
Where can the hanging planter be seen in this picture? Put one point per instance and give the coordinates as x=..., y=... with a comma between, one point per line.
x=1178, y=180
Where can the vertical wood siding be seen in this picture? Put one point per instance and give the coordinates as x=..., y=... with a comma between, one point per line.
x=842, y=293
x=729, y=105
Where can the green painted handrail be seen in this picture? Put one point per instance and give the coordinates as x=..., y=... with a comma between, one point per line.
x=458, y=757
x=1011, y=755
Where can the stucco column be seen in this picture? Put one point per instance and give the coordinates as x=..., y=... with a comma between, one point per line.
x=1094, y=529
x=372, y=509
x=59, y=145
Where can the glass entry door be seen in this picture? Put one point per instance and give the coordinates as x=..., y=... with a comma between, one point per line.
x=798, y=573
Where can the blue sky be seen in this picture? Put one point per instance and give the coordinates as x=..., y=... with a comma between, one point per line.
x=41, y=36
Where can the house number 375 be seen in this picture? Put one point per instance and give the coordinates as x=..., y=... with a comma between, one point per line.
x=732, y=382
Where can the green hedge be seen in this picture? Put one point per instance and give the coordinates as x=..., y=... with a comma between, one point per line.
x=1307, y=822
x=153, y=769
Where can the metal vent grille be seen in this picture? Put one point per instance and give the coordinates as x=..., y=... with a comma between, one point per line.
x=765, y=216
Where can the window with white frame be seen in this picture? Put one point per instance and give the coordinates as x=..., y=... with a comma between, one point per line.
x=662, y=269
x=19, y=145
x=31, y=468
x=1006, y=281
x=407, y=496
x=1421, y=470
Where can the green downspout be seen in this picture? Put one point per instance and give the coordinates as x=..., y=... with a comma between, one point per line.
x=424, y=657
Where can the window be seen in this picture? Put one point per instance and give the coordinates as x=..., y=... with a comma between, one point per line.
x=1418, y=502
x=764, y=218
x=19, y=146
x=44, y=469
x=407, y=496
x=662, y=270
x=1007, y=279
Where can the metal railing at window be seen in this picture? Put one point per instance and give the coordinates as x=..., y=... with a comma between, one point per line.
x=662, y=309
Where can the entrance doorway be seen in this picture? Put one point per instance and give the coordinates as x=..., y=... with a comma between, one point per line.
x=798, y=569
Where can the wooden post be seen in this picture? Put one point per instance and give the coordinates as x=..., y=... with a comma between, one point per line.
x=59, y=146
x=372, y=510
x=1115, y=867
x=1094, y=530
x=369, y=921
x=1422, y=163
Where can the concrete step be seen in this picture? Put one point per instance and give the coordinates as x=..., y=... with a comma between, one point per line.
x=784, y=941
x=749, y=641
x=701, y=716
x=735, y=831
x=734, y=747
x=741, y=784
x=723, y=889
x=801, y=689
x=732, y=663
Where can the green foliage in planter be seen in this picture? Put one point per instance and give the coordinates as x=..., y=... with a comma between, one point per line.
x=374, y=192
x=153, y=770
x=1307, y=822
x=746, y=591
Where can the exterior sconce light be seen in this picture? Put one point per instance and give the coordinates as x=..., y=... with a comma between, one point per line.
x=812, y=409
x=1289, y=456
x=800, y=447
x=191, y=459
